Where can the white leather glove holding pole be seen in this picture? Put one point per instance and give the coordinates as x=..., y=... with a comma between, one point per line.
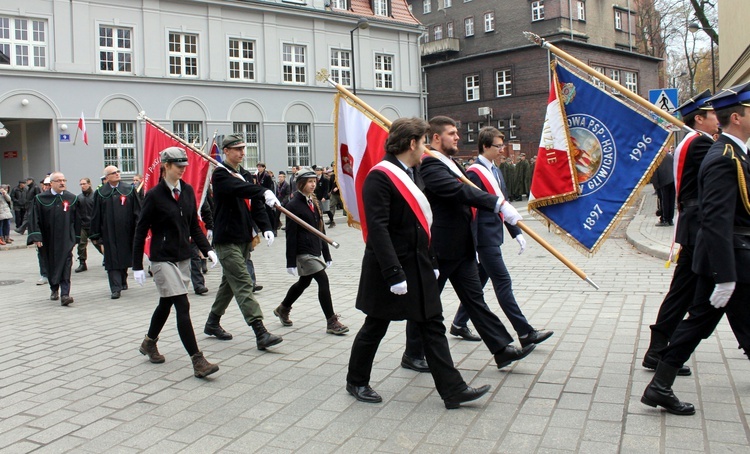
x=271, y=199
x=292, y=271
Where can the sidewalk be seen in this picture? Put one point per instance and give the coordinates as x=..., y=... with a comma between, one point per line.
x=642, y=231
x=73, y=381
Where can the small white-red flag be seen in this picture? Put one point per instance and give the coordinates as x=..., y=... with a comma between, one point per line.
x=82, y=127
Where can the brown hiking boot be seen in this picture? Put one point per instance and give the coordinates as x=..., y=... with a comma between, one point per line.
x=148, y=347
x=335, y=326
x=201, y=366
x=283, y=314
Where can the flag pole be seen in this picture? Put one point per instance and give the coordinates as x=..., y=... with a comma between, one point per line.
x=590, y=71
x=465, y=180
x=289, y=214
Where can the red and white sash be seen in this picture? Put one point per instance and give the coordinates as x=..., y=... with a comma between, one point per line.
x=410, y=192
x=680, y=155
x=490, y=183
x=448, y=162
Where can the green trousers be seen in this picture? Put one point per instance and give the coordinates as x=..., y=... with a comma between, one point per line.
x=236, y=282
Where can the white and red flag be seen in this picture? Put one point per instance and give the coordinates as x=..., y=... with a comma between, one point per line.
x=82, y=128
x=360, y=144
x=555, y=178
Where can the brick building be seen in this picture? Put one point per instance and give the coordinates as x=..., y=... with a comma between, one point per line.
x=479, y=69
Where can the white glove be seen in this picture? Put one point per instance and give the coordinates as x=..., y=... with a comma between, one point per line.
x=521, y=242
x=271, y=199
x=214, y=259
x=437, y=273
x=399, y=289
x=292, y=271
x=140, y=277
x=722, y=293
x=329, y=263
x=510, y=214
x=268, y=235
x=209, y=235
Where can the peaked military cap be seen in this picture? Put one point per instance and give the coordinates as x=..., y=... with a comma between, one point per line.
x=695, y=104
x=233, y=141
x=175, y=155
x=733, y=96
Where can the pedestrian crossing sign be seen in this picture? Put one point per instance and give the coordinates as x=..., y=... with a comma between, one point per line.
x=663, y=98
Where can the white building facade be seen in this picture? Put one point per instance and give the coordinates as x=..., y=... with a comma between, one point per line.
x=195, y=67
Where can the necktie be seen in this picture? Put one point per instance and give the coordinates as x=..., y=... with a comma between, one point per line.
x=176, y=193
x=410, y=171
x=310, y=204
x=499, y=178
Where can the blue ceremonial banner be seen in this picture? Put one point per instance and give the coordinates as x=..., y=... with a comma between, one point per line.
x=614, y=148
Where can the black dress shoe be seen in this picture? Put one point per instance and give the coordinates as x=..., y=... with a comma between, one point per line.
x=535, y=337
x=419, y=365
x=257, y=288
x=511, y=353
x=66, y=300
x=464, y=332
x=54, y=296
x=364, y=393
x=467, y=395
x=115, y=295
x=201, y=290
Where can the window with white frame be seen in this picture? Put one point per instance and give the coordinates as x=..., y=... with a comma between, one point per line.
x=631, y=81
x=503, y=83
x=115, y=49
x=615, y=75
x=189, y=131
x=119, y=145
x=489, y=22
x=596, y=81
x=250, y=132
x=384, y=71
x=437, y=32
x=448, y=3
x=512, y=125
x=501, y=124
x=340, y=4
x=294, y=64
x=537, y=10
x=449, y=29
x=298, y=144
x=469, y=26
x=380, y=8
x=341, y=67
x=472, y=87
x=183, y=54
x=23, y=42
x=241, y=59
x=618, y=20
x=581, y=7
x=426, y=6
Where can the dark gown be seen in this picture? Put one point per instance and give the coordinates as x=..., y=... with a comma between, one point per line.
x=113, y=222
x=55, y=221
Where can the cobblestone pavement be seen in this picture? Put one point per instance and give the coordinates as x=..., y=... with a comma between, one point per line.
x=73, y=381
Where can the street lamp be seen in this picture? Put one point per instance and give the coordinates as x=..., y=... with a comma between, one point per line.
x=693, y=27
x=362, y=24
x=674, y=78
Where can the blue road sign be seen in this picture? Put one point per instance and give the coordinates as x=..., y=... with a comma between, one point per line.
x=64, y=137
x=663, y=98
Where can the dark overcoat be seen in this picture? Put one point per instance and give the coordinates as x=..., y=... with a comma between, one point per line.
x=298, y=239
x=687, y=199
x=722, y=248
x=397, y=250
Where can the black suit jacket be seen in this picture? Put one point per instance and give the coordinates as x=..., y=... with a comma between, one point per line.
x=719, y=252
x=397, y=250
x=689, y=220
x=451, y=202
x=487, y=228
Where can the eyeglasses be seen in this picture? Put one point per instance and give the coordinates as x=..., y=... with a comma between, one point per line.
x=498, y=146
x=112, y=173
x=59, y=180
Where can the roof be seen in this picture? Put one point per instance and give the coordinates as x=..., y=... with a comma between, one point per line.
x=399, y=11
